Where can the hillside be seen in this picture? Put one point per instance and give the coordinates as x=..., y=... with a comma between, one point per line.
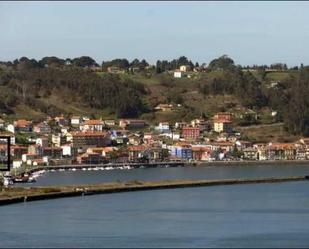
x=32, y=90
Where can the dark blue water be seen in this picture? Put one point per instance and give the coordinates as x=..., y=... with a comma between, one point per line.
x=256, y=215
x=156, y=174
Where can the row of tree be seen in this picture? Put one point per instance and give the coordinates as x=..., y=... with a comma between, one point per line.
x=220, y=63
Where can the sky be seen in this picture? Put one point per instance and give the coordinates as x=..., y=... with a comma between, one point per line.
x=249, y=32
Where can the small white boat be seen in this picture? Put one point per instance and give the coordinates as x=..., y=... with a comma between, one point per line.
x=84, y=169
x=7, y=181
x=73, y=169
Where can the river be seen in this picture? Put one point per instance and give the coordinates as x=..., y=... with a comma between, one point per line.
x=253, y=215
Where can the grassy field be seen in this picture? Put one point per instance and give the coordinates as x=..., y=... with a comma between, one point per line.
x=267, y=133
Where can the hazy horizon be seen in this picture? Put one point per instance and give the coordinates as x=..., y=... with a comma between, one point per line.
x=249, y=32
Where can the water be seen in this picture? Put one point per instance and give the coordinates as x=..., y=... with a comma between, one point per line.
x=156, y=174
x=254, y=215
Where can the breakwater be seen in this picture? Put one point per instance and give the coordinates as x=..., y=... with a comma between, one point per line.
x=15, y=195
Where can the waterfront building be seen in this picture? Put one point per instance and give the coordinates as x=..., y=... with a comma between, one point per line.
x=183, y=152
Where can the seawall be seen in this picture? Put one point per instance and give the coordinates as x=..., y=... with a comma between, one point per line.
x=10, y=196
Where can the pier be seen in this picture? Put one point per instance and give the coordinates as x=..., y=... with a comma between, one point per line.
x=15, y=195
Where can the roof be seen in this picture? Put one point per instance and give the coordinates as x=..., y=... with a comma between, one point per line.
x=222, y=120
x=200, y=148
x=190, y=128
x=281, y=146
x=93, y=122
x=88, y=134
x=22, y=123
x=136, y=147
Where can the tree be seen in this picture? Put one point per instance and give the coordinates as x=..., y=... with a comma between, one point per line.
x=84, y=61
x=221, y=63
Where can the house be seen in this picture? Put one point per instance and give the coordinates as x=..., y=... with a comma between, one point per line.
x=183, y=152
x=18, y=151
x=224, y=116
x=23, y=125
x=222, y=125
x=185, y=68
x=241, y=145
x=180, y=125
x=251, y=153
x=10, y=128
x=163, y=127
x=84, y=140
x=68, y=150
x=202, y=124
x=58, y=139
x=164, y=107
x=136, y=152
x=42, y=141
x=192, y=133
x=173, y=135
x=52, y=152
x=132, y=123
x=10, y=135
x=305, y=143
x=61, y=121
x=134, y=139
x=178, y=74
x=92, y=125
x=89, y=158
x=156, y=153
x=201, y=153
x=42, y=128
x=76, y=121
x=281, y=151
x=1, y=124
x=110, y=122
x=114, y=69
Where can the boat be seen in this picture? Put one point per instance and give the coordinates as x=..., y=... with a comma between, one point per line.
x=7, y=180
x=21, y=179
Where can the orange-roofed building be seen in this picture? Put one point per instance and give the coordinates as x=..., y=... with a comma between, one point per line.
x=92, y=125
x=281, y=151
x=201, y=153
x=136, y=151
x=84, y=140
x=23, y=125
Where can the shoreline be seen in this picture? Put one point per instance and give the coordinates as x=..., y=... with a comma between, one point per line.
x=249, y=162
x=18, y=195
x=171, y=164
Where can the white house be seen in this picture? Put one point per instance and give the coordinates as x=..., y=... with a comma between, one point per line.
x=10, y=128
x=1, y=123
x=178, y=74
x=92, y=125
x=163, y=127
x=66, y=150
x=76, y=120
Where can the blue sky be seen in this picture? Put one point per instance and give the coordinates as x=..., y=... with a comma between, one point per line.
x=249, y=32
